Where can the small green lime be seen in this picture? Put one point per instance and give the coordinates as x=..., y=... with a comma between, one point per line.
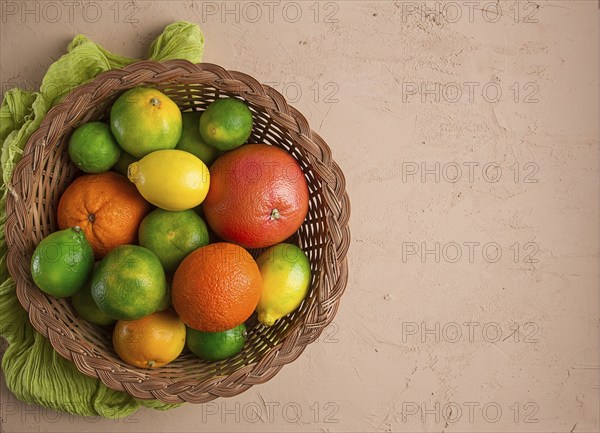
x=214, y=346
x=93, y=149
x=226, y=124
x=123, y=163
x=191, y=141
x=86, y=307
x=172, y=235
x=62, y=262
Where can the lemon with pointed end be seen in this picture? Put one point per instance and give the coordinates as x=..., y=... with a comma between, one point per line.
x=123, y=163
x=171, y=179
x=285, y=270
x=144, y=120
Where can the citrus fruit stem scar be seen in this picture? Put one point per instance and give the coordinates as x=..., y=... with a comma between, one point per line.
x=132, y=172
x=91, y=217
x=155, y=102
x=77, y=229
x=150, y=364
x=274, y=214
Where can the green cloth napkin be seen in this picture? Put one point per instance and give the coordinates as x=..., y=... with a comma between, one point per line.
x=34, y=372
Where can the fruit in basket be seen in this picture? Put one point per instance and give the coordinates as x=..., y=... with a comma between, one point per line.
x=150, y=342
x=171, y=179
x=258, y=196
x=86, y=307
x=106, y=206
x=144, y=120
x=215, y=346
x=172, y=235
x=129, y=283
x=191, y=141
x=62, y=262
x=123, y=163
x=216, y=287
x=166, y=302
x=93, y=149
x=226, y=124
x=285, y=270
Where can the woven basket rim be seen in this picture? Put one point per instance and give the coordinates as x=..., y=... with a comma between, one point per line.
x=20, y=203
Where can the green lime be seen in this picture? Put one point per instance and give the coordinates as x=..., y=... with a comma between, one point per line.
x=226, y=123
x=129, y=283
x=191, y=141
x=214, y=346
x=62, y=262
x=93, y=148
x=122, y=164
x=86, y=307
x=144, y=120
x=172, y=235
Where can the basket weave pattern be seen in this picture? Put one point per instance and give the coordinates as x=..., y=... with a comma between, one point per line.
x=45, y=171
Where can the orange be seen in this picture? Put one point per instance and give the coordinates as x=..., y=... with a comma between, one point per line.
x=150, y=342
x=216, y=287
x=107, y=207
x=258, y=196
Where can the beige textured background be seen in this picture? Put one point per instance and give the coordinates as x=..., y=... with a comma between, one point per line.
x=473, y=300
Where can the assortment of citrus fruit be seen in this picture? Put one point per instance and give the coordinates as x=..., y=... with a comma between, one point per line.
x=153, y=236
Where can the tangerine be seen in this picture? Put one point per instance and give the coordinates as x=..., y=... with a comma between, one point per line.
x=150, y=342
x=107, y=207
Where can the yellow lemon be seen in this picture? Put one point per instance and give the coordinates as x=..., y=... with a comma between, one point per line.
x=285, y=270
x=171, y=179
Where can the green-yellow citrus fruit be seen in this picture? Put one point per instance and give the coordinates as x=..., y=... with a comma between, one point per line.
x=129, y=283
x=144, y=120
x=172, y=235
x=285, y=270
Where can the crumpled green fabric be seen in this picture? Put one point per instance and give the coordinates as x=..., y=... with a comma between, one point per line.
x=33, y=371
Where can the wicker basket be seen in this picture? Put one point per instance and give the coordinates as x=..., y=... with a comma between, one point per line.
x=45, y=171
